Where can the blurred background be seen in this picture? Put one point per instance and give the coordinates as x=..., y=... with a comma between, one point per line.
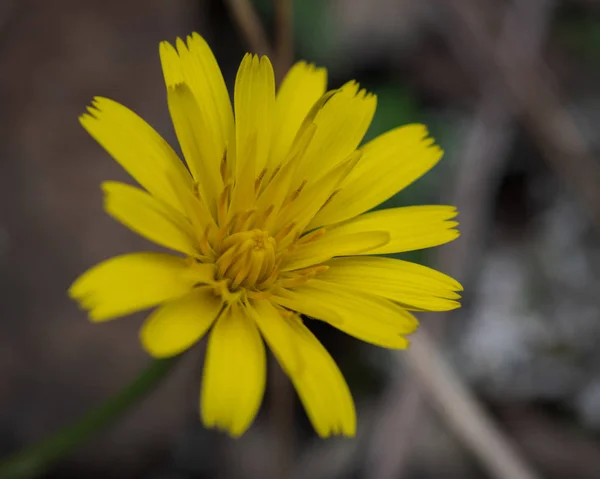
x=510, y=89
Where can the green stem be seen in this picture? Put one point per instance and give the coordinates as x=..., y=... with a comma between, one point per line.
x=36, y=459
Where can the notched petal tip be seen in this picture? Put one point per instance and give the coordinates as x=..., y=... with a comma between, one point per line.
x=93, y=110
x=85, y=300
x=102, y=102
x=165, y=46
x=445, y=212
x=265, y=61
x=401, y=343
x=248, y=58
x=181, y=46
x=302, y=67
x=86, y=118
x=98, y=107
x=451, y=234
x=74, y=292
x=434, y=147
x=350, y=87
x=456, y=286
x=171, y=63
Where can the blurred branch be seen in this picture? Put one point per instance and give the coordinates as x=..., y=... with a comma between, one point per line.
x=463, y=413
x=525, y=24
x=483, y=156
x=284, y=37
x=400, y=414
x=281, y=422
x=248, y=22
x=535, y=96
x=398, y=422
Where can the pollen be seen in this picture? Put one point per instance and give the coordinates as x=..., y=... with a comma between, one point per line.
x=247, y=259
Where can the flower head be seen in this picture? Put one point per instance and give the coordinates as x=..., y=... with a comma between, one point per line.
x=267, y=216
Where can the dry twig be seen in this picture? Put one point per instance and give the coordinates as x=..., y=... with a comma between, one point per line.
x=463, y=413
x=284, y=37
x=482, y=158
x=535, y=96
x=248, y=22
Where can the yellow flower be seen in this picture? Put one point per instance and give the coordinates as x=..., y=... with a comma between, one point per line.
x=269, y=219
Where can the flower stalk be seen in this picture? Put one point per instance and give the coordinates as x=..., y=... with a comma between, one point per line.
x=34, y=461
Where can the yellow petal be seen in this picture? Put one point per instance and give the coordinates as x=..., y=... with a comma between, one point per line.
x=278, y=188
x=303, y=85
x=207, y=80
x=410, y=228
x=254, y=99
x=362, y=315
x=329, y=246
x=202, y=152
x=409, y=284
x=234, y=373
x=195, y=65
x=389, y=163
x=341, y=123
x=177, y=325
x=312, y=198
x=195, y=210
x=133, y=282
x=148, y=217
x=320, y=384
x=142, y=152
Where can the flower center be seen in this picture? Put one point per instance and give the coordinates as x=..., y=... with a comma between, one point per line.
x=248, y=260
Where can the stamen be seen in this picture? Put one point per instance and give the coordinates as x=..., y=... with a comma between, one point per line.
x=231, y=224
x=263, y=218
x=250, y=222
x=256, y=262
x=244, y=271
x=269, y=259
x=274, y=274
x=329, y=199
x=226, y=260
x=223, y=167
x=258, y=294
x=236, y=239
x=205, y=247
x=248, y=257
x=312, y=270
x=235, y=223
x=196, y=190
x=274, y=174
x=293, y=282
x=223, y=204
x=300, y=277
x=288, y=242
x=284, y=232
x=311, y=236
x=296, y=193
x=259, y=180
